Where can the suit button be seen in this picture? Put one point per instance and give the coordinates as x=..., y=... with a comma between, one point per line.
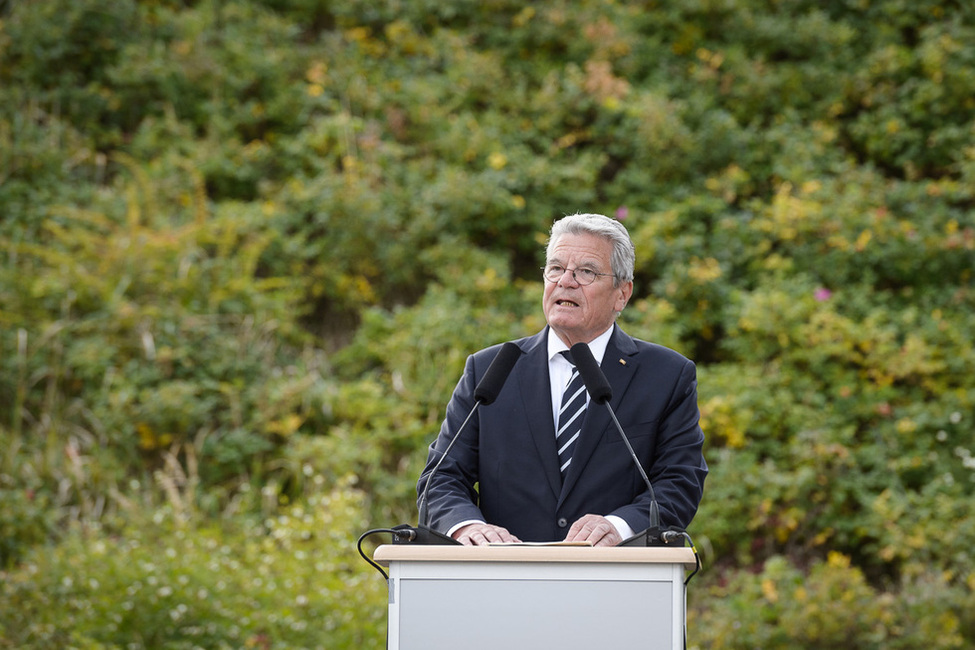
x=562, y=522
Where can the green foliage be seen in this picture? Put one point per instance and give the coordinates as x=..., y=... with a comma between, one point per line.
x=62, y=51
x=288, y=581
x=830, y=605
x=137, y=335
x=246, y=246
x=26, y=520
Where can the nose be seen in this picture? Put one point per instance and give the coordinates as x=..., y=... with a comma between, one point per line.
x=572, y=276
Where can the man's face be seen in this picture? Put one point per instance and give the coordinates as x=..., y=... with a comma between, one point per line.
x=579, y=313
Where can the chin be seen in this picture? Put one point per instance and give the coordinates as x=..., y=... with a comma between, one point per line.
x=563, y=326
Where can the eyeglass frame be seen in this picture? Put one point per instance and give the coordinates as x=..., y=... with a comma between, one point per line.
x=595, y=274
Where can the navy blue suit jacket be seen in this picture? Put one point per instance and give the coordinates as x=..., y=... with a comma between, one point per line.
x=504, y=467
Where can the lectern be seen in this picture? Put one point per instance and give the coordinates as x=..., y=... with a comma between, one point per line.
x=535, y=597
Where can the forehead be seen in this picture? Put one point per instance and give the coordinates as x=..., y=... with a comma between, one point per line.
x=583, y=248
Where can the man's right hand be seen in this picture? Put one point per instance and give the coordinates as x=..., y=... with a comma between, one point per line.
x=483, y=534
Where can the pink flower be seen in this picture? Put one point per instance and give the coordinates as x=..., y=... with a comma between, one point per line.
x=622, y=213
x=822, y=294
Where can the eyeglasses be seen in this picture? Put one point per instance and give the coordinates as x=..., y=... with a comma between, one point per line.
x=554, y=272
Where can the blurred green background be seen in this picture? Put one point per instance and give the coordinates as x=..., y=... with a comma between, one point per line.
x=246, y=246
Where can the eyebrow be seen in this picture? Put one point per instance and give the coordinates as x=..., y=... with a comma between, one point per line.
x=592, y=266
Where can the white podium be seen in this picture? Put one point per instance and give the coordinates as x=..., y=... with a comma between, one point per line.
x=535, y=597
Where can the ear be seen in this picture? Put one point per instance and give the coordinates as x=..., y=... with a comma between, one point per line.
x=625, y=291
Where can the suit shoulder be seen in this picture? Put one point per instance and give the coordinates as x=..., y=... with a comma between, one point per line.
x=659, y=354
x=527, y=344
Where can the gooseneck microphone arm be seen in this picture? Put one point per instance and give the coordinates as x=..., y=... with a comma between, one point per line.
x=423, y=518
x=601, y=392
x=654, y=508
x=486, y=392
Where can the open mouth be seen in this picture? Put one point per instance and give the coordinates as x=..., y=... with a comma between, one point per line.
x=566, y=303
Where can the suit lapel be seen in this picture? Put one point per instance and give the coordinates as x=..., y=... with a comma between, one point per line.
x=618, y=366
x=536, y=395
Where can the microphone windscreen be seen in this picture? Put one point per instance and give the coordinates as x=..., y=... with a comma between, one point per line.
x=497, y=373
x=596, y=383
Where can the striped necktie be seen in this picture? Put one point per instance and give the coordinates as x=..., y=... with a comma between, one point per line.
x=571, y=415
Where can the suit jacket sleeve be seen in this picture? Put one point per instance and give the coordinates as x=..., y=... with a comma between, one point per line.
x=672, y=453
x=452, y=497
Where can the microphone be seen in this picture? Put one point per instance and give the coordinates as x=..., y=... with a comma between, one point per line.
x=601, y=392
x=485, y=393
x=497, y=374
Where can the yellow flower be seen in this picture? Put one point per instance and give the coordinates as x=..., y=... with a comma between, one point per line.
x=769, y=591
x=286, y=425
x=837, y=560
x=523, y=17
x=497, y=160
x=357, y=34
x=906, y=425
x=703, y=271
x=863, y=240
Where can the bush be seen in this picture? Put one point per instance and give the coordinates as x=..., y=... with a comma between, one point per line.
x=26, y=520
x=247, y=244
x=829, y=606
x=288, y=581
x=140, y=334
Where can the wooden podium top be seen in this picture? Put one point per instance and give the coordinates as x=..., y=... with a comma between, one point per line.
x=533, y=553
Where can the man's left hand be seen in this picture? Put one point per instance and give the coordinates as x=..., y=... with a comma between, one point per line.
x=594, y=529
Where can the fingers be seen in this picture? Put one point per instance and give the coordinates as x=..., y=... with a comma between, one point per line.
x=482, y=534
x=594, y=529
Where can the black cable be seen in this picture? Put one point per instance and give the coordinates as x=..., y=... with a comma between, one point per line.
x=368, y=559
x=697, y=558
x=697, y=562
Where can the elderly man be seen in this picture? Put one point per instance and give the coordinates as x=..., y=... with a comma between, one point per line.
x=540, y=465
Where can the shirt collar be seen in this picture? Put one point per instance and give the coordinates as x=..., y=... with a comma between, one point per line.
x=597, y=346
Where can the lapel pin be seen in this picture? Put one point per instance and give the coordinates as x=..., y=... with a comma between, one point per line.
x=623, y=362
